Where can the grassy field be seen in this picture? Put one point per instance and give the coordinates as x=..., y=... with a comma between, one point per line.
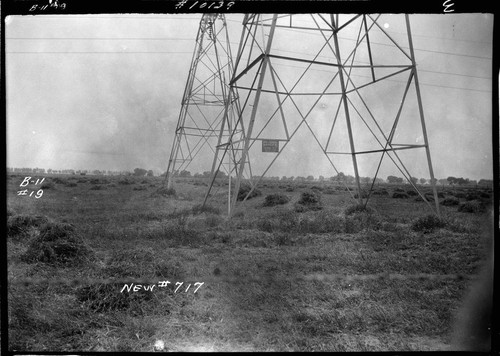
x=301, y=270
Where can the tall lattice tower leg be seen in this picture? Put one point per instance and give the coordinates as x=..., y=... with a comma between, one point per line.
x=201, y=124
x=346, y=81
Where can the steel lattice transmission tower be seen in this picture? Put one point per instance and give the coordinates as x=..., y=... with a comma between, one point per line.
x=207, y=115
x=347, y=80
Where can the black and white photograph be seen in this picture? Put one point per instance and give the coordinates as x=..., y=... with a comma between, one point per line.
x=207, y=180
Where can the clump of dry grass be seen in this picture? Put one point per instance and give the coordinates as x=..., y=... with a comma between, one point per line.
x=380, y=192
x=97, y=187
x=411, y=193
x=359, y=219
x=245, y=189
x=58, y=180
x=309, y=201
x=450, y=201
x=48, y=185
x=364, y=195
x=329, y=190
x=427, y=223
x=140, y=187
x=99, y=181
x=473, y=206
x=275, y=199
x=400, y=195
x=58, y=244
x=165, y=192
x=71, y=184
x=20, y=224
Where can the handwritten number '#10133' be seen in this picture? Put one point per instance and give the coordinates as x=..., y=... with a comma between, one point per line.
x=204, y=4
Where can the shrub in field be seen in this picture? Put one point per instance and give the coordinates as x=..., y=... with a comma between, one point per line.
x=329, y=191
x=82, y=180
x=299, y=208
x=400, y=195
x=267, y=225
x=71, y=184
x=245, y=189
x=275, y=199
x=58, y=180
x=284, y=239
x=224, y=237
x=429, y=198
x=430, y=195
x=19, y=224
x=427, y=223
x=363, y=195
x=450, y=201
x=140, y=187
x=58, y=244
x=356, y=208
x=166, y=192
x=400, y=190
x=411, y=193
x=473, y=206
x=359, y=220
x=125, y=181
x=484, y=195
x=97, y=187
x=380, y=192
x=310, y=198
x=209, y=209
x=472, y=196
x=48, y=185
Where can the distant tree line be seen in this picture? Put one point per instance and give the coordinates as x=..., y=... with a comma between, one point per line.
x=68, y=171
x=339, y=178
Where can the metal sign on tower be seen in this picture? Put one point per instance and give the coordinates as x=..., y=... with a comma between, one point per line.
x=345, y=79
x=207, y=114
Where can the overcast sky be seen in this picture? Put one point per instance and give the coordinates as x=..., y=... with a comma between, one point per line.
x=104, y=92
